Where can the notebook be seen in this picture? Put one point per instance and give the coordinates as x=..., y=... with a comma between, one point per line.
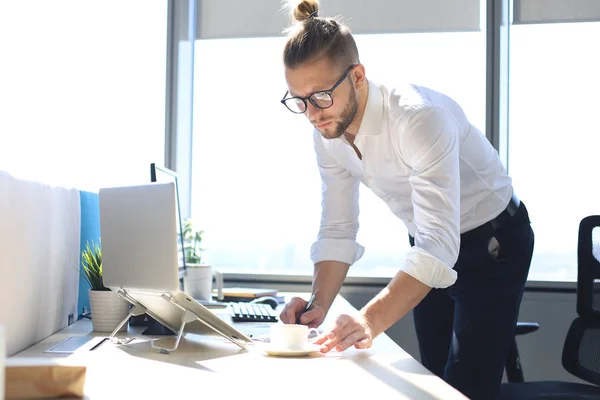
x=140, y=258
x=245, y=292
x=238, y=294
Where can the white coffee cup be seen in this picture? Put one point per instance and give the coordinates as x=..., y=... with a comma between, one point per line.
x=198, y=281
x=290, y=336
x=2, y=356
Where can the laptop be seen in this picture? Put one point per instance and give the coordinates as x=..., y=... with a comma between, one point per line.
x=140, y=260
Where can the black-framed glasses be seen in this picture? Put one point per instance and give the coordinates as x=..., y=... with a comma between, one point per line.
x=321, y=99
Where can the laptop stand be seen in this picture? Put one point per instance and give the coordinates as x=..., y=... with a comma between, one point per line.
x=187, y=317
x=137, y=309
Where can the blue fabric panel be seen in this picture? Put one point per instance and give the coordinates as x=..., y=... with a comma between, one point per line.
x=90, y=230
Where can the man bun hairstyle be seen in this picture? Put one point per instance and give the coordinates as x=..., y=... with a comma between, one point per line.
x=311, y=36
x=304, y=10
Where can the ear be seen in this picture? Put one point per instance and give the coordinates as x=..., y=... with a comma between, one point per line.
x=359, y=77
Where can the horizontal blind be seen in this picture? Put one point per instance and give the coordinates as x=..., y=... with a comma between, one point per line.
x=552, y=11
x=262, y=18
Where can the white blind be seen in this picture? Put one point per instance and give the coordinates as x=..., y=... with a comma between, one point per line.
x=260, y=18
x=547, y=11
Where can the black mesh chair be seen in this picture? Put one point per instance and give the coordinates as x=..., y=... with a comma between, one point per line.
x=581, y=350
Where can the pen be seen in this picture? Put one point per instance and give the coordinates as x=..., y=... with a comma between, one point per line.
x=308, y=306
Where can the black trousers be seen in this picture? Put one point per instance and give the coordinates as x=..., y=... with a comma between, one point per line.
x=465, y=330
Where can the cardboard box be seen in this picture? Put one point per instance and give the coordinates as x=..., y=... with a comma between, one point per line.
x=36, y=378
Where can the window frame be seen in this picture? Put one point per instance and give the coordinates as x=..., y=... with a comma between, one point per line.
x=498, y=15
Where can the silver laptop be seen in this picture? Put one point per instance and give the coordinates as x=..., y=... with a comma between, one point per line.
x=138, y=227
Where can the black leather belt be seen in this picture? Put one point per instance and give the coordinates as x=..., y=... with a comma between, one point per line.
x=508, y=213
x=487, y=229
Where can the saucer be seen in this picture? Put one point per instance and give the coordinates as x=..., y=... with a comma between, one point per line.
x=273, y=351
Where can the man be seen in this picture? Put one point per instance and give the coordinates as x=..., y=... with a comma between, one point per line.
x=414, y=147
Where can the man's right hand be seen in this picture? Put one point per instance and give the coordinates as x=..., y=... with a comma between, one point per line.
x=294, y=309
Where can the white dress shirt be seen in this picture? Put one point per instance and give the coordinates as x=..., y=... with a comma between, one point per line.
x=434, y=169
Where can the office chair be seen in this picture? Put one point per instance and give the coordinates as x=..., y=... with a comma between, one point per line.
x=513, y=368
x=581, y=350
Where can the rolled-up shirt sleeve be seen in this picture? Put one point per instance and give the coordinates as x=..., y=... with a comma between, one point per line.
x=429, y=143
x=336, y=240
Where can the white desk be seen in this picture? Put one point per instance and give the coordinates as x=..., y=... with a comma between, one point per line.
x=212, y=366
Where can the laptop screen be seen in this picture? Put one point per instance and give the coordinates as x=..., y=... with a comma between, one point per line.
x=162, y=174
x=139, y=231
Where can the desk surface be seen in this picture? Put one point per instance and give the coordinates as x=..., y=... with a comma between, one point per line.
x=215, y=366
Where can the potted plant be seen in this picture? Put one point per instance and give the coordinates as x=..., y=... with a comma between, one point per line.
x=198, y=278
x=108, y=308
x=192, y=240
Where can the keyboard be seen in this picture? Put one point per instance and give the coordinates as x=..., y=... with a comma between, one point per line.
x=252, y=312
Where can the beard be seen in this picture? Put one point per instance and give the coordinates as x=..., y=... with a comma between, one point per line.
x=345, y=119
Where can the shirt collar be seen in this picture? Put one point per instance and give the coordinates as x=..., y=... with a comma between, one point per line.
x=373, y=117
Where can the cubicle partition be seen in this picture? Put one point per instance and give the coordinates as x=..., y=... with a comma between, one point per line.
x=42, y=231
x=90, y=231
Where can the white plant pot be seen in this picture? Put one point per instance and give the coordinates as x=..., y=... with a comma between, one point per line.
x=108, y=310
x=197, y=281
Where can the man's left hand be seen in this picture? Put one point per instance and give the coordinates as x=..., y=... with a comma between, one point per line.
x=347, y=331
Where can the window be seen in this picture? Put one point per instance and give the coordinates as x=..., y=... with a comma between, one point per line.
x=83, y=90
x=256, y=187
x=554, y=137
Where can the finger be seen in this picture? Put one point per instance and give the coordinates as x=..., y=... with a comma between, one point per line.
x=341, y=323
x=344, y=326
x=311, y=315
x=315, y=323
x=291, y=310
x=329, y=345
x=330, y=340
x=350, y=340
x=320, y=339
x=287, y=315
x=364, y=343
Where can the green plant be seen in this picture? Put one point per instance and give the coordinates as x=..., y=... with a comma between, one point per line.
x=192, y=239
x=91, y=262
